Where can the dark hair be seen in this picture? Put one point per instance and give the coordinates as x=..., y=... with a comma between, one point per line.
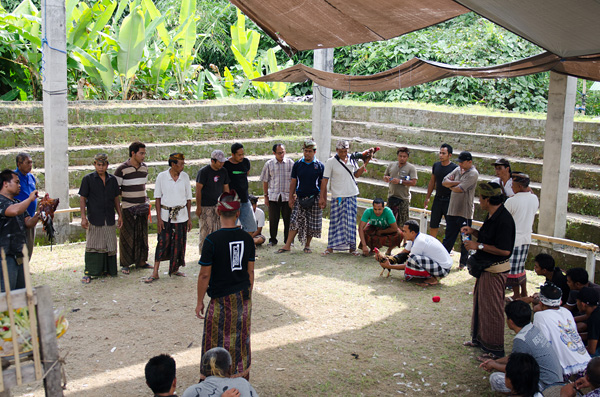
x=235, y=147
x=578, y=275
x=519, y=312
x=448, y=147
x=6, y=176
x=524, y=374
x=253, y=199
x=403, y=149
x=413, y=226
x=275, y=146
x=22, y=157
x=160, y=373
x=545, y=261
x=135, y=147
x=593, y=372
x=551, y=291
x=216, y=362
x=378, y=200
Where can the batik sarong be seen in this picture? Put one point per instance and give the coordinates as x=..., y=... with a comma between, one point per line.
x=487, y=325
x=133, y=239
x=227, y=325
x=342, y=224
x=171, y=245
x=208, y=222
x=379, y=241
x=517, y=274
x=400, y=210
x=308, y=222
x=101, y=250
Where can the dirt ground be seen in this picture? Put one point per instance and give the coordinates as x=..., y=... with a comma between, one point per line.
x=321, y=326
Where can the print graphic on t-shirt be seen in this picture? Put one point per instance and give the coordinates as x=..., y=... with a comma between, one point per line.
x=216, y=178
x=236, y=252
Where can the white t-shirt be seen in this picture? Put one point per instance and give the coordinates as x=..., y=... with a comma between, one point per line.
x=507, y=188
x=341, y=183
x=260, y=217
x=430, y=247
x=523, y=206
x=558, y=326
x=173, y=194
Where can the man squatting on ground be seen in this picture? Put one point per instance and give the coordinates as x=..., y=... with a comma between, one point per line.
x=14, y=220
x=259, y=215
x=132, y=177
x=489, y=265
x=462, y=181
x=401, y=176
x=28, y=185
x=275, y=176
x=307, y=216
x=528, y=339
x=442, y=194
x=424, y=255
x=238, y=168
x=523, y=206
x=378, y=228
x=211, y=181
x=340, y=172
x=227, y=275
x=543, y=265
x=98, y=200
x=173, y=195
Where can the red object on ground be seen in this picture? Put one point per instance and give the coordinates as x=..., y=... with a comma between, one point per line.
x=436, y=299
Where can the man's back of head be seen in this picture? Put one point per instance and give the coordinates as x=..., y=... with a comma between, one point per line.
x=160, y=374
x=518, y=312
x=593, y=372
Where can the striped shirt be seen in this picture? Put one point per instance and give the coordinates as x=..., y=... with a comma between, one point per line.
x=278, y=176
x=132, y=182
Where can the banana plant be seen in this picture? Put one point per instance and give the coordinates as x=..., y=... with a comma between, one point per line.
x=131, y=40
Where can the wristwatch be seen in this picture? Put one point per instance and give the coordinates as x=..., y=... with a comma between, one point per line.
x=480, y=247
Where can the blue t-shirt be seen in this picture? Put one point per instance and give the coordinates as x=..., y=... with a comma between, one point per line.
x=28, y=183
x=309, y=176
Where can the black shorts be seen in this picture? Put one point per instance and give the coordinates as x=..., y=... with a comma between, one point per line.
x=439, y=208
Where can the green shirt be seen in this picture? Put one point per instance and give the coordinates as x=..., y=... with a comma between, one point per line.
x=384, y=221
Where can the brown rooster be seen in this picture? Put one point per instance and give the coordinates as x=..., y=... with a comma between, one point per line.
x=47, y=208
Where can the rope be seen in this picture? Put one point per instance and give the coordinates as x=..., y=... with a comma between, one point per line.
x=43, y=61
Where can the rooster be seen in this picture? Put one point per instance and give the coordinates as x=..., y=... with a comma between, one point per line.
x=47, y=208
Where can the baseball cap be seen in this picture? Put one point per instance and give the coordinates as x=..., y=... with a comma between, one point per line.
x=342, y=144
x=589, y=296
x=101, y=158
x=309, y=144
x=464, y=156
x=218, y=155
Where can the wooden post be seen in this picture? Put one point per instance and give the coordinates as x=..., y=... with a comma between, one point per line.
x=35, y=343
x=52, y=381
x=11, y=316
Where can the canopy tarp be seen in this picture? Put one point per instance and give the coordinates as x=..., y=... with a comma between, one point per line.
x=418, y=71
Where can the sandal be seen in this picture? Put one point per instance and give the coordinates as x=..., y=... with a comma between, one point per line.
x=307, y=250
x=470, y=344
x=281, y=251
x=357, y=253
x=426, y=284
x=326, y=252
x=146, y=266
x=86, y=280
x=487, y=356
x=150, y=279
x=179, y=274
x=125, y=270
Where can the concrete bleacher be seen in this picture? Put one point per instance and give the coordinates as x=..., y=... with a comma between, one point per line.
x=197, y=128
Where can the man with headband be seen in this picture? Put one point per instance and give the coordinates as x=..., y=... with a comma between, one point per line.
x=173, y=196
x=490, y=264
x=558, y=326
x=227, y=275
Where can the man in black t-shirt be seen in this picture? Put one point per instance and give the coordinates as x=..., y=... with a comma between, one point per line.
x=227, y=275
x=442, y=194
x=544, y=266
x=238, y=168
x=587, y=303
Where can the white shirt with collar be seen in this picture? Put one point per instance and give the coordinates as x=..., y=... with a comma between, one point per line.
x=173, y=194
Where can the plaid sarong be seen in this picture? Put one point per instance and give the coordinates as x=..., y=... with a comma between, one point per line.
x=308, y=222
x=208, y=222
x=342, y=224
x=388, y=240
x=171, y=245
x=420, y=263
x=133, y=240
x=487, y=322
x=227, y=325
x=517, y=261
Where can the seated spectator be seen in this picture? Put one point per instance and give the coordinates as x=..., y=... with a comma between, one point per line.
x=259, y=214
x=425, y=257
x=522, y=375
x=530, y=340
x=587, y=303
x=591, y=380
x=558, y=326
x=216, y=367
x=378, y=228
x=577, y=278
x=160, y=375
x=544, y=266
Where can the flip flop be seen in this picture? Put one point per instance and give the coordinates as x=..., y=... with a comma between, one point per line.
x=86, y=280
x=281, y=251
x=179, y=274
x=146, y=266
x=307, y=250
x=487, y=356
x=424, y=284
x=326, y=252
x=125, y=270
x=150, y=279
x=470, y=344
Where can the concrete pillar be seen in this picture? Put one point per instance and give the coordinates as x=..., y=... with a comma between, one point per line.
x=321, y=114
x=56, y=144
x=557, y=155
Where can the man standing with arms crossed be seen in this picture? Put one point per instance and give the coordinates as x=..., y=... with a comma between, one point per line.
x=462, y=181
x=276, y=176
x=442, y=194
x=211, y=182
x=132, y=177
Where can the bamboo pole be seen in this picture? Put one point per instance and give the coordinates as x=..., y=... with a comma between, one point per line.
x=11, y=316
x=33, y=324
